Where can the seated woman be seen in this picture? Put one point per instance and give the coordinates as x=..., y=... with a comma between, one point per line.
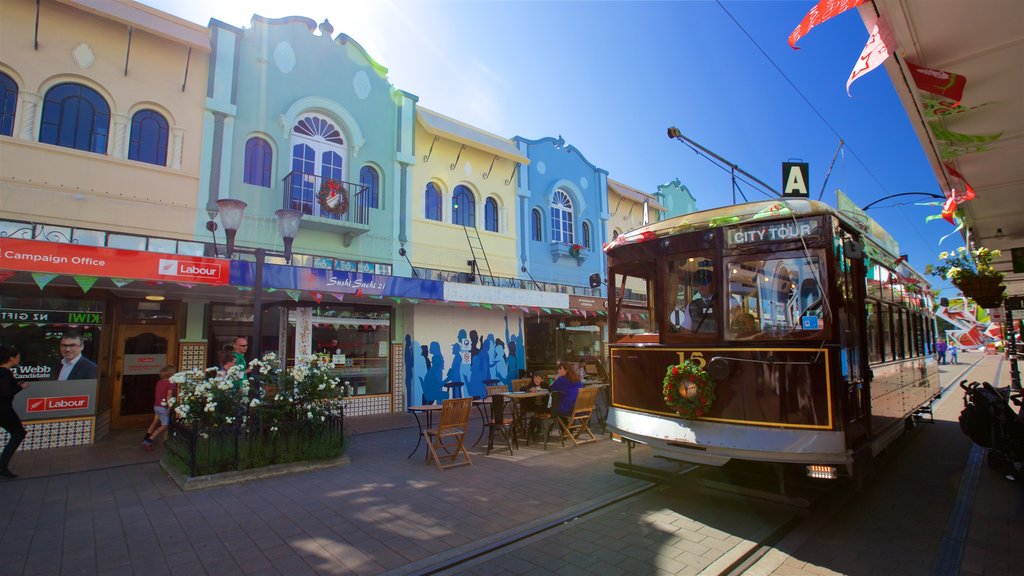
x=569, y=384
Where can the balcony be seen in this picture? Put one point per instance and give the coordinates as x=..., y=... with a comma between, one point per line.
x=328, y=204
x=561, y=250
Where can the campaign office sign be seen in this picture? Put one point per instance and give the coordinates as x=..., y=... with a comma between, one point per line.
x=35, y=256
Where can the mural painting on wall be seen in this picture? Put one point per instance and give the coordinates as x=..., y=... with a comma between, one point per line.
x=474, y=359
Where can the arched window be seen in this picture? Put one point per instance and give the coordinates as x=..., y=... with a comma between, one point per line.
x=318, y=154
x=561, y=218
x=368, y=177
x=585, y=232
x=148, y=141
x=75, y=116
x=463, y=207
x=491, y=215
x=8, y=104
x=258, y=160
x=432, y=201
x=536, y=232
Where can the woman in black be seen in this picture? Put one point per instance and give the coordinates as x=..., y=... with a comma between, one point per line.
x=9, y=358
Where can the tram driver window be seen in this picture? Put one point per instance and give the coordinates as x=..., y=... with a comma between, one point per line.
x=779, y=297
x=692, y=296
x=632, y=311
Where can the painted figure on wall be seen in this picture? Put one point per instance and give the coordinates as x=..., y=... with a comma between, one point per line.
x=433, y=389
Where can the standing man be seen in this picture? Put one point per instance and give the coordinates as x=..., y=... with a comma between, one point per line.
x=9, y=420
x=74, y=366
x=240, y=348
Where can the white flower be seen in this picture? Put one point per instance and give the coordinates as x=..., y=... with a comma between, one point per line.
x=254, y=403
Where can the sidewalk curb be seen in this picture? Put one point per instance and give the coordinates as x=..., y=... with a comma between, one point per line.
x=187, y=483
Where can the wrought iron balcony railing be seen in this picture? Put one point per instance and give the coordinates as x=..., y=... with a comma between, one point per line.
x=328, y=198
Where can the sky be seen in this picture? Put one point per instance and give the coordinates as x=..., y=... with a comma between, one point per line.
x=611, y=77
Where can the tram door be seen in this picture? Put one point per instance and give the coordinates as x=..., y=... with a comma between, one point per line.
x=141, y=351
x=853, y=343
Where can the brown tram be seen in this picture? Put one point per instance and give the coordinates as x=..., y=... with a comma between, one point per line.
x=817, y=339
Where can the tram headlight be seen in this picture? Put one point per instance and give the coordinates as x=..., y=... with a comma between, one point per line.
x=822, y=472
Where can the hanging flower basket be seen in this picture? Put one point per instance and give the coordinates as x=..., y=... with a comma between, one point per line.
x=333, y=198
x=987, y=291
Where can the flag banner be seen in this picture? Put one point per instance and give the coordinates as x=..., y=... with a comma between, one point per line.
x=317, y=296
x=939, y=82
x=946, y=135
x=943, y=107
x=968, y=193
x=120, y=282
x=340, y=297
x=397, y=299
x=824, y=10
x=244, y=288
x=875, y=52
x=294, y=294
x=948, y=208
x=5, y=274
x=185, y=285
x=488, y=306
x=43, y=279
x=85, y=282
x=951, y=151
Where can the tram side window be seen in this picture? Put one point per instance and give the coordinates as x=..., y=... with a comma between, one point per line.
x=632, y=313
x=873, y=318
x=693, y=301
x=778, y=297
x=886, y=332
x=900, y=333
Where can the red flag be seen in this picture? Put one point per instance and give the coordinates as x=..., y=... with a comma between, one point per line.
x=968, y=193
x=317, y=296
x=820, y=13
x=946, y=84
x=948, y=208
x=875, y=52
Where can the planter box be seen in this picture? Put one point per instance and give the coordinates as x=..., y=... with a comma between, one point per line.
x=561, y=250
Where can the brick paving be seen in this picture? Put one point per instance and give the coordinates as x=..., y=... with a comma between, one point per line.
x=385, y=514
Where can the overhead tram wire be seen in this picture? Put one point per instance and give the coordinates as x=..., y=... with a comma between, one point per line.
x=725, y=166
x=801, y=94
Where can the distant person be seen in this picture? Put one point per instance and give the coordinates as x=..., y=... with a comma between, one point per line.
x=74, y=366
x=162, y=395
x=953, y=350
x=569, y=384
x=9, y=420
x=940, y=349
x=239, y=350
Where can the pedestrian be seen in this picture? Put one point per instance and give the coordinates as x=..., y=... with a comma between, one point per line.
x=239, y=350
x=940, y=348
x=9, y=420
x=953, y=350
x=162, y=395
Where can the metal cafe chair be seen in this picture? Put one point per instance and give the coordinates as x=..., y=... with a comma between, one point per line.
x=450, y=434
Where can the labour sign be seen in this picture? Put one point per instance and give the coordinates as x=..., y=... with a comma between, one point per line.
x=57, y=403
x=48, y=399
x=796, y=180
x=56, y=258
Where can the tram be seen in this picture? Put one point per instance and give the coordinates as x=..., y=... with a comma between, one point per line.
x=816, y=340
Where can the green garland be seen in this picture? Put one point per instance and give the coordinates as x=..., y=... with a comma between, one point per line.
x=688, y=390
x=329, y=203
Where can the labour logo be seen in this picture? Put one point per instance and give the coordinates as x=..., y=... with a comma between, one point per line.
x=168, y=267
x=36, y=405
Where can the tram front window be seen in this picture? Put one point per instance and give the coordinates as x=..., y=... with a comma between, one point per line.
x=777, y=297
x=632, y=311
x=693, y=299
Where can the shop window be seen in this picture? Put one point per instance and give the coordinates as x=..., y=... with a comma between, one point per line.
x=148, y=141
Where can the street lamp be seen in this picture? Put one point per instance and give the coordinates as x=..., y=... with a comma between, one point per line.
x=231, y=211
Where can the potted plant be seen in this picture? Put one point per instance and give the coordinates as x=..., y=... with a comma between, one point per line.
x=971, y=271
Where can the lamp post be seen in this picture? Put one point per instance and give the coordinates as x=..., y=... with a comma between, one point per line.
x=231, y=211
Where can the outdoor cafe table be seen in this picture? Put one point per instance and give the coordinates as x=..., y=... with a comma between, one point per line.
x=517, y=408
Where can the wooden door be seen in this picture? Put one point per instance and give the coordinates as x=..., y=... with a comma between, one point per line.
x=141, y=350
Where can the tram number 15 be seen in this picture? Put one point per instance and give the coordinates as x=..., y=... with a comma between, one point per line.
x=697, y=358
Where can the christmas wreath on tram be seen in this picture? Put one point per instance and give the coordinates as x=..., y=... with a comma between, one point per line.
x=333, y=198
x=688, y=390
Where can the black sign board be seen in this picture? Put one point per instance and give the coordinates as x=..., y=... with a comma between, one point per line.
x=50, y=316
x=796, y=180
x=1017, y=258
x=1014, y=303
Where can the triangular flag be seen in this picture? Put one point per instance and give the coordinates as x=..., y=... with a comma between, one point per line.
x=244, y=288
x=397, y=299
x=546, y=310
x=945, y=84
x=294, y=294
x=5, y=274
x=359, y=292
x=269, y=290
x=43, y=279
x=948, y=208
x=968, y=194
x=185, y=284
x=875, y=52
x=120, y=282
x=824, y=10
x=85, y=282
x=317, y=296
x=340, y=297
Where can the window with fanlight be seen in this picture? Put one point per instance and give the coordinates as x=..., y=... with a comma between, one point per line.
x=491, y=215
x=561, y=218
x=75, y=116
x=318, y=155
x=463, y=207
x=432, y=202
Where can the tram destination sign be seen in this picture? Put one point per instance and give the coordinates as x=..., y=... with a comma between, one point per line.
x=778, y=231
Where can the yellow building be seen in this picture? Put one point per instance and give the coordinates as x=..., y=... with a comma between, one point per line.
x=629, y=208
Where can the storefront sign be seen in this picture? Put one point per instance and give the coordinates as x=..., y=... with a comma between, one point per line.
x=587, y=303
x=50, y=316
x=772, y=232
x=336, y=281
x=144, y=363
x=45, y=399
x=35, y=256
x=57, y=403
x=456, y=292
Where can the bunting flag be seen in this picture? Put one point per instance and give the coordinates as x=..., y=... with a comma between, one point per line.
x=120, y=282
x=185, y=284
x=824, y=10
x=85, y=282
x=722, y=221
x=875, y=52
x=546, y=310
x=5, y=274
x=359, y=292
x=43, y=279
x=900, y=260
x=317, y=296
x=340, y=297
x=294, y=294
x=397, y=299
x=948, y=208
x=776, y=209
x=488, y=306
x=947, y=135
x=241, y=288
x=939, y=82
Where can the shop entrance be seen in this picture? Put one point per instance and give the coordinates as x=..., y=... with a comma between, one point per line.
x=141, y=350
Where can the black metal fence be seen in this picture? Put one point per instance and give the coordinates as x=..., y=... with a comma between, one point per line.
x=198, y=450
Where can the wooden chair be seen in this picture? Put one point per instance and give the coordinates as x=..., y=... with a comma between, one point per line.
x=520, y=384
x=497, y=389
x=450, y=434
x=501, y=421
x=578, y=423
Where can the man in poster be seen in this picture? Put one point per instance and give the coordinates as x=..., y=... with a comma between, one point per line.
x=74, y=366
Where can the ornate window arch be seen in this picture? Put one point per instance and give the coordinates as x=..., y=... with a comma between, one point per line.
x=585, y=234
x=432, y=202
x=319, y=153
x=536, y=225
x=8, y=104
x=148, y=137
x=75, y=116
x=491, y=215
x=369, y=177
x=561, y=217
x=463, y=206
x=259, y=158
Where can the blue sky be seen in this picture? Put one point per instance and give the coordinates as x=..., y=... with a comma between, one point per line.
x=611, y=77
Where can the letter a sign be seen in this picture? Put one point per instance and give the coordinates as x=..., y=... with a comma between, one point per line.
x=795, y=176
